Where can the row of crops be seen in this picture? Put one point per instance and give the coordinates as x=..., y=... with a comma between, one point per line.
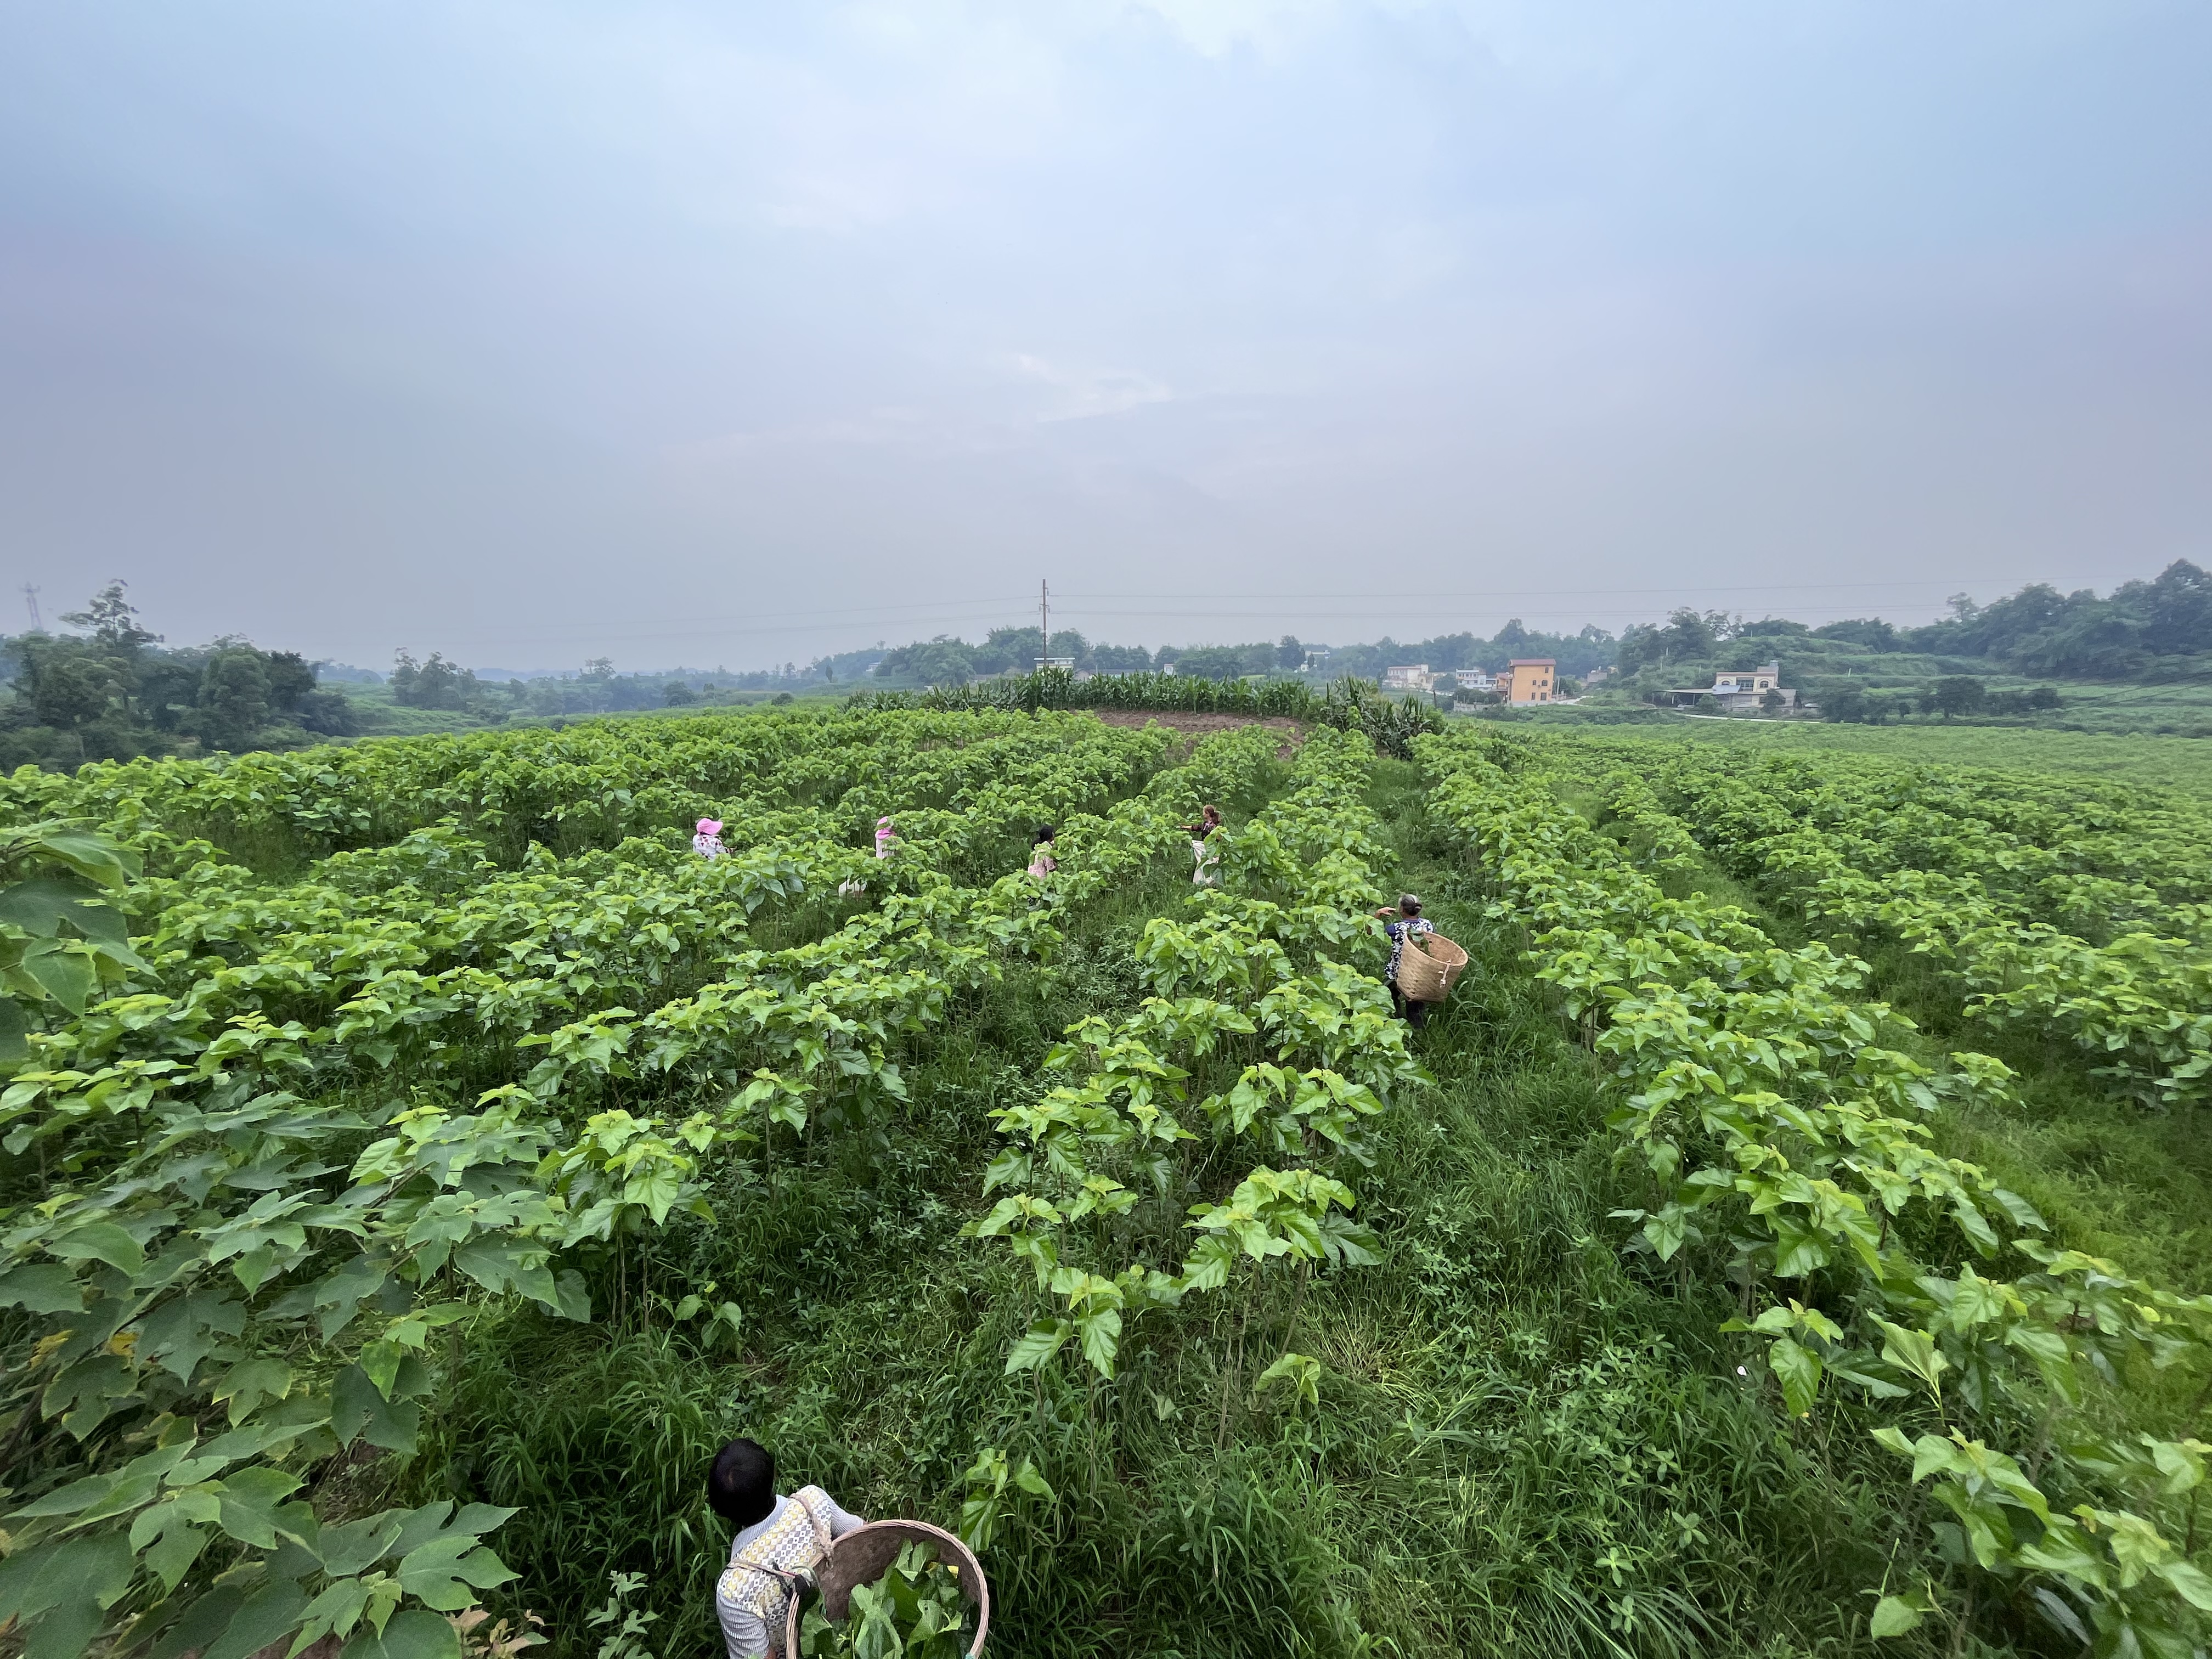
x=2066, y=908
x=409, y=1035
x=1347, y=703
x=2045, y=1399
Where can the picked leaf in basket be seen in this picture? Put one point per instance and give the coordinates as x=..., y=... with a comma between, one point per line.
x=914, y=1611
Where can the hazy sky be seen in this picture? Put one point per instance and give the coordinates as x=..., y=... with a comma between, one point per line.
x=730, y=334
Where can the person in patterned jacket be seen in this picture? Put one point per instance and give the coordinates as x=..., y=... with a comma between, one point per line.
x=777, y=1537
x=1402, y=924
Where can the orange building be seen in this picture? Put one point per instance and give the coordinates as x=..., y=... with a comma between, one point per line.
x=1529, y=679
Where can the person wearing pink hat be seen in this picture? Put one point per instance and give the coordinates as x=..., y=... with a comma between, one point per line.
x=707, y=843
x=886, y=837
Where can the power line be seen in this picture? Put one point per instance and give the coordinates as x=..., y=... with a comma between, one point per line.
x=1542, y=593
x=1000, y=608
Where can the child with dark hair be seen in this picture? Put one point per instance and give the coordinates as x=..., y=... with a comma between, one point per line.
x=1402, y=924
x=777, y=1538
x=1041, y=862
x=1207, y=871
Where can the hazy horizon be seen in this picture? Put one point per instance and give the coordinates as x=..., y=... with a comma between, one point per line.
x=675, y=334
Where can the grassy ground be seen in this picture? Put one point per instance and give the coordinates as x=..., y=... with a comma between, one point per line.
x=2174, y=763
x=1525, y=1443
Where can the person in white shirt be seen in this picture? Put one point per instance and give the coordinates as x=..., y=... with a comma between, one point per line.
x=778, y=1538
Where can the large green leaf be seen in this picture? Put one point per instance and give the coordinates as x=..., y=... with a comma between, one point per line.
x=1102, y=1338
x=269, y=1613
x=1038, y=1344
x=249, y=1500
x=65, y=974
x=1799, y=1368
x=441, y=1571
x=43, y=905
x=411, y=1633
x=15, y=1025
x=40, y=1288
x=1893, y=1616
x=94, y=857
x=100, y=1240
x=360, y=1410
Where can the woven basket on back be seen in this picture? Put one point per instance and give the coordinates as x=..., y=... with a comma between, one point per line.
x=865, y=1554
x=1427, y=967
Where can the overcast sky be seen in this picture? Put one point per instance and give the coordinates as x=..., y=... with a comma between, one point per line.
x=730, y=334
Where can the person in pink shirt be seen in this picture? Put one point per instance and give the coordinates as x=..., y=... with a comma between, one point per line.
x=708, y=843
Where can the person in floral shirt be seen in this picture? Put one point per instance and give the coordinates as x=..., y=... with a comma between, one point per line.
x=1402, y=924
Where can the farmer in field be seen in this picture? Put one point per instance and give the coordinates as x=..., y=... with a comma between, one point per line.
x=776, y=1536
x=1041, y=862
x=886, y=844
x=1207, y=871
x=1402, y=924
x=706, y=841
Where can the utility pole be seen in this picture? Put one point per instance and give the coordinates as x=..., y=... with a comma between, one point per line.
x=1045, y=623
x=31, y=598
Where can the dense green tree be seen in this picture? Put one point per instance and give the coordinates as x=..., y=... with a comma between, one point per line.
x=113, y=691
x=1871, y=632
x=1213, y=662
x=327, y=713
x=1843, y=701
x=74, y=687
x=1017, y=648
x=438, y=683
x=290, y=677
x=113, y=620
x=233, y=697
x=1687, y=637
x=1956, y=694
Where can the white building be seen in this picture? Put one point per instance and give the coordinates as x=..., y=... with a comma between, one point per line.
x=1415, y=677
x=1475, y=679
x=1739, y=693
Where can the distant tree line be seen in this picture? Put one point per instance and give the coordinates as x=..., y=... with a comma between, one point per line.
x=113, y=691
x=945, y=660
x=438, y=684
x=1952, y=697
x=2142, y=628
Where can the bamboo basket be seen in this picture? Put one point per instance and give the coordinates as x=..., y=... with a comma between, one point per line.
x=865, y=1554
x=1428, y=966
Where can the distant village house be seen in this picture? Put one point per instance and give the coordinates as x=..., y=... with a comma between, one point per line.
x=1740, y=693
x=1475, y=679
x=1528, y=680
x=1416, y=677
